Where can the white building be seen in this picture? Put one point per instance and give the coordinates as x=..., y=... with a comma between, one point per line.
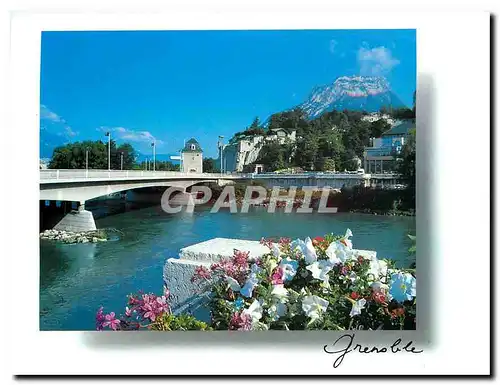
x=245, y=150
x=192, y=157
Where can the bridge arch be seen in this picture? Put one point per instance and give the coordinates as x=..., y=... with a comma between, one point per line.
x=82, y=193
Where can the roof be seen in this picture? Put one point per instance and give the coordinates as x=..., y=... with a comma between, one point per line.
x=287, y=130
x=187, y=146
x=400, y=128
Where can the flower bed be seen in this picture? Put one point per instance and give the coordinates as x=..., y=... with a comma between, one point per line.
x=311, y=284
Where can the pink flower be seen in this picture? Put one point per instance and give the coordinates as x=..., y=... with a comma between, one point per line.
x=201, y=272
x=149, y=312
x=128, y=312
x=240, y=258
x=266, y=242
x=99, y=319
x=152, y=307
x=284, y=241
x=277, y=276
x=111, y=321
x=240, y=321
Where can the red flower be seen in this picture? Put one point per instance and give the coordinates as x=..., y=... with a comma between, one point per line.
x=378, y=297
x=397, y=312
x=317, y=240
x=355, y=295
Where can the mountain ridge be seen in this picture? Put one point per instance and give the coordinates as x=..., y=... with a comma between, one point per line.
x=367, y=93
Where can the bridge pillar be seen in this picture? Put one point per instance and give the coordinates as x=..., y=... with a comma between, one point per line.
x=77, y=220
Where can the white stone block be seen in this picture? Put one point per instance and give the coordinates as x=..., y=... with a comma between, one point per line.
x=189, y=297
x=217, y=248
x=192, y=297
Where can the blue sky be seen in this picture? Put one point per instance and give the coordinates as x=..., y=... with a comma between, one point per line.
x=174, y=85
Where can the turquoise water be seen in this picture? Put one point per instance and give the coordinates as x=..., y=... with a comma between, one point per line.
x=76, y=279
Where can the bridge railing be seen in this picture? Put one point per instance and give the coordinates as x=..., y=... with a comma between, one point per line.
x=78, y=174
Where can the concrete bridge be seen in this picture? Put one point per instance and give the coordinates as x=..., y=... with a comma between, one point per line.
x=83, y=185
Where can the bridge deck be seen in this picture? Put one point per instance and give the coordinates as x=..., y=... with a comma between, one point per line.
x=71, y=176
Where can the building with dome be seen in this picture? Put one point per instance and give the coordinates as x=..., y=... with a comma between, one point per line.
x=192, y=157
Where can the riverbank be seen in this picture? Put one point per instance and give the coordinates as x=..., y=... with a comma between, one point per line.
x=72, y=237
x=358, y=199
x=390, y=213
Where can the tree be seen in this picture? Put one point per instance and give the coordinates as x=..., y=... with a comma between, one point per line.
x=272, y=156
x=209, y=165
x=74, y=156
x=328, y=164
x=378, y=127
x=129, y=155
x=307, y=152
x=406, y=167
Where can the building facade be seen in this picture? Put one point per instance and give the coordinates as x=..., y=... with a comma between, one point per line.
x=382, y=155
x=245, y=150
x=192, y=157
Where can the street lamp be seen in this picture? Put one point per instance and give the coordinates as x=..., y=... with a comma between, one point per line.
x=87, y=158
x=121, y=161
x=108, y=134
x=221, y=146
x=154, y=155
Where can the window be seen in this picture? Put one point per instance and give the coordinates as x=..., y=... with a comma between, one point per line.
x=193, y=147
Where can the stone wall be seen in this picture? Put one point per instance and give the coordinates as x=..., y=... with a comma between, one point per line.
x=186, y=296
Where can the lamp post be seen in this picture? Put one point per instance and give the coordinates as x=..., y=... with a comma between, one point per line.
x=147, y=164
x=108, y=134
x=121, y=161
x=87, y=161
x=154, y=155
x=221, y=146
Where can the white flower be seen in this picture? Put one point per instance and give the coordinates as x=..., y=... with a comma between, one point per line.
x=289, y=268
x=277, y=310
x=403, y=286
x=309, y=252
x=255, y=269
x=313, y=306
x=353, y=277
x=233, y=284
x=249, y=285
x=357, y=306
x=280, y=293
x=339, y=252
x=377, y=269
x=276, y=250
x=379, y=286
x=254, y=311
x=320, y=270
x=331, y=253
x=346, y=239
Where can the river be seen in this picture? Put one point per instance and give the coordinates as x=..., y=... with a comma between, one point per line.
x=76, y=279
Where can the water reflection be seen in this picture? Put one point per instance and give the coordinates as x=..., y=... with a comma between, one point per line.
x=76, y=279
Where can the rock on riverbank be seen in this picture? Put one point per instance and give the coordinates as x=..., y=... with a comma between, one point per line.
x=71, y=237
